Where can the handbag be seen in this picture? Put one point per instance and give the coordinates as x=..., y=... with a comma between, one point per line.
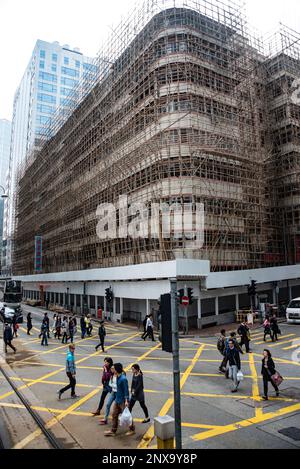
x=277, y=379
x=240, y=375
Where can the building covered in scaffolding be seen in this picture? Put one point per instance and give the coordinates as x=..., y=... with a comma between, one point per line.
x=188, y=109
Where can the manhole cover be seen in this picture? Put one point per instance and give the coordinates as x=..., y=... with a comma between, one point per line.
x=291, y=432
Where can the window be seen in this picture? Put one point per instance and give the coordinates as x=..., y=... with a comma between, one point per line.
x=68, y=82
x=66, y=60
x=69, y=71
x=42, y=54
x=90, y=67
x=48, y=77
x=46, y=98
x=54, y=57
x=45, y=109
x=42, y=120
x=66, y=102
x=77, y=63
x=65, y=91
x=53, y=68
x=47, y=87
x=42, y=64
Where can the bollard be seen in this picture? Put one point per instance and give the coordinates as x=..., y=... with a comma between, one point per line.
x=164, y=430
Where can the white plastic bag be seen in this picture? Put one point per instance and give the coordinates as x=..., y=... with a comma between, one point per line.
x=240, y=375
x=125, y=418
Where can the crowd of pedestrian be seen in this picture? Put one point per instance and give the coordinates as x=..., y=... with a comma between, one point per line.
x=231, y=349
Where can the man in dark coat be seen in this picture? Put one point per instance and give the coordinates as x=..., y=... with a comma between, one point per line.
x=234, y=361
x=244, y=332
x=101, y=334
x=8, y=337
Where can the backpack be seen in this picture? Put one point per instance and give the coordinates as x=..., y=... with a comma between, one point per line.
x=221, y=344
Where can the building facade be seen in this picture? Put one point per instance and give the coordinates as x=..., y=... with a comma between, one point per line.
x=5, y=137
x=182, y=118
x=49, y=83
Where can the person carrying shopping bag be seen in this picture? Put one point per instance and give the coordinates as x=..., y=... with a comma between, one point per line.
x=269, y=374
x=234, y=361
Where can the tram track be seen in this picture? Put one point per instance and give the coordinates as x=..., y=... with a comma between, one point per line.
x=50, y=437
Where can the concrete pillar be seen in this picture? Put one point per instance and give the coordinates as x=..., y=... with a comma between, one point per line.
x=105, y=312
x=121, y=310
x=96, y=305
x=237, y=303
x=290, y=293
x=148, y=307
x=217, y=305
x=274, y=295
x=114, y=309
x=199, y=313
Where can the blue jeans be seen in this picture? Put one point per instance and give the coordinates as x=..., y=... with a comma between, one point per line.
x=44, y=339
x=109, y=404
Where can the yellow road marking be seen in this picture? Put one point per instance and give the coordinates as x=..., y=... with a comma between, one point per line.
x=255, y=388
x=64, y=413
x=281, y=343
x=277, y=343
x=245, y=423
x=293, y=346
x=148, y=436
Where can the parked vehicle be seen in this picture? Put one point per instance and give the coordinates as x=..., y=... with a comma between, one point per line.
x=7, y=313
x=293, y=312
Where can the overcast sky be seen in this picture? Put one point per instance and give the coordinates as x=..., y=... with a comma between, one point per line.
x=85, y=24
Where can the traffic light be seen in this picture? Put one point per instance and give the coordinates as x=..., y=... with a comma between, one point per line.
x=180, y=295
x=109, y=295
x=166, y=322
x=190, y=295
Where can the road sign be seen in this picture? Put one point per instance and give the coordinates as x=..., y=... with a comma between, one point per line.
x=185, y=301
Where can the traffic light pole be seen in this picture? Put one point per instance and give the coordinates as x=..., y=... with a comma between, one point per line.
x=176, y=365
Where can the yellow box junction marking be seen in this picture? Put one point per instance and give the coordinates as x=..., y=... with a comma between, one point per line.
x=148, y=436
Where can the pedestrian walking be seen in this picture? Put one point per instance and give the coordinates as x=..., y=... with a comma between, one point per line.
x=83, y=327
x=233, y=358
x=106, y=375
x=267, y=328
x=145, y=324
x=44, y=333
x=15, y=326
x=267, y=371
x=149, y=329
x=244, y=332
x=137, y=391
x=221, y=346
x=71, y=373
x=57, y=333
x=46, y=320
x=274, y=328
x=71, y=330
x=121, y=401
x=88, y=325
x=65, y=330
x=8, y=337
x=112, y=395
x=101, y=334
x=29, y=323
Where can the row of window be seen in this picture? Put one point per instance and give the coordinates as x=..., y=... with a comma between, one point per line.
x=54, y=58
x=53, y=88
